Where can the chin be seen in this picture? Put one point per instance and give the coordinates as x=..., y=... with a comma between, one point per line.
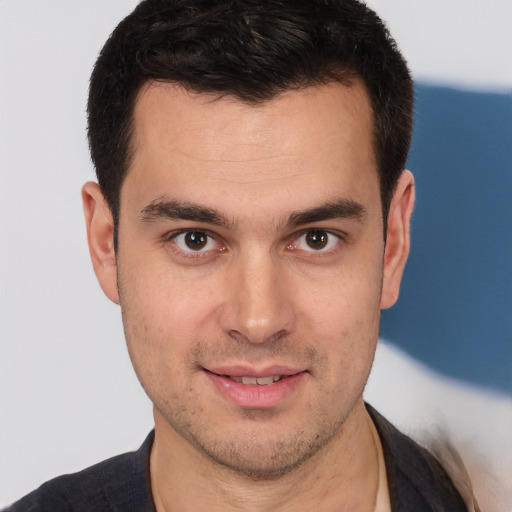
x=259, y=455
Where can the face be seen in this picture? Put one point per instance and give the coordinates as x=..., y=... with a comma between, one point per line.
x=250, y=268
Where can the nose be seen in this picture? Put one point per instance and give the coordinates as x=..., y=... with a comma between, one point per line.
x=258, y=306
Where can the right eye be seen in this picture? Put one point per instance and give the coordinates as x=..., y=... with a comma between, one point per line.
x=195, y=241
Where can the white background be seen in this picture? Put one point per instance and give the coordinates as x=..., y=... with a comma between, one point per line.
x=68, y=395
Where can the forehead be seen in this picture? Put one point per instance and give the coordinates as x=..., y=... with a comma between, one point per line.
x=318, y=139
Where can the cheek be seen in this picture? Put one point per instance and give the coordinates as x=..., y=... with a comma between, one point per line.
x=342, y=313
x=163, y=314
x=349, y=295
x=156, y=332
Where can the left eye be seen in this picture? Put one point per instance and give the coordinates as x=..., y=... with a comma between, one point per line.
x=316, y=240
x=195, y=241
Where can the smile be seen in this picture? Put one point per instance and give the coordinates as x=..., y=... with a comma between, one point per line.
x=257, y=381
x=266, y=389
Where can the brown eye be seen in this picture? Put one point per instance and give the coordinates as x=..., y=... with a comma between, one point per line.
x=196, y=240
x=317, y=240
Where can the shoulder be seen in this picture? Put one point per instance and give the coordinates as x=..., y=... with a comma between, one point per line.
x=416, y=479
x=119, y=483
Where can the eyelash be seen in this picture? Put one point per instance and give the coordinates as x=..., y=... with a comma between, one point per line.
x=322, y=251
x=191, y=253
x=220, y=248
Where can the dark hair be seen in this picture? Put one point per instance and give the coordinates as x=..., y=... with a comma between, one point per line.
x=251, y=50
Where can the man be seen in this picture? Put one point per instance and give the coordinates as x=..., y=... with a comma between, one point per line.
x=251, y=219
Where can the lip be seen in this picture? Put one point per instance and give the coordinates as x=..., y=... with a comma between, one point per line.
x=249, y=371
x=247, y=396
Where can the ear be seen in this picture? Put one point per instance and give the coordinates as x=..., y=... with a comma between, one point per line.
x=100, y=235
x=398, y=239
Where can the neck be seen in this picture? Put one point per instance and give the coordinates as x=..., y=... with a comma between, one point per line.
x=343, y=475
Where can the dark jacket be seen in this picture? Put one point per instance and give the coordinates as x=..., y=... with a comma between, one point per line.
x=417, y=482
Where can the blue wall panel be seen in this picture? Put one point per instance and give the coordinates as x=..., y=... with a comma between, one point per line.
x=455, y=309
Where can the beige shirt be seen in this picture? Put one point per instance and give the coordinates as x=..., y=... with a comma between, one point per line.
x=382, y=501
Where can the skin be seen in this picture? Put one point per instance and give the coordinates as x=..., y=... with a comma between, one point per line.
x=258, y=295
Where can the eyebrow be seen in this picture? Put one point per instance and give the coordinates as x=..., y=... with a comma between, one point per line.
x=173, y=209
x=161, y=209
x=339, y=209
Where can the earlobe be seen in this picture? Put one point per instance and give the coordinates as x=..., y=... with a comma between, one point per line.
x=100, y=236
x=398, y=238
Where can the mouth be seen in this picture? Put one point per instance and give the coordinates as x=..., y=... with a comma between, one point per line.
x=256, y=381
x=253, y=376
x=248, y=388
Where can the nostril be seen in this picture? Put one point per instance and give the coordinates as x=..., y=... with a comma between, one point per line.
x=238, y=336
x=283, y=333
x=242, y=338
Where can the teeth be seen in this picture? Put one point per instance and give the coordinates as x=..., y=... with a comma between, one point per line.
x=263, y=381
x=258, y=381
